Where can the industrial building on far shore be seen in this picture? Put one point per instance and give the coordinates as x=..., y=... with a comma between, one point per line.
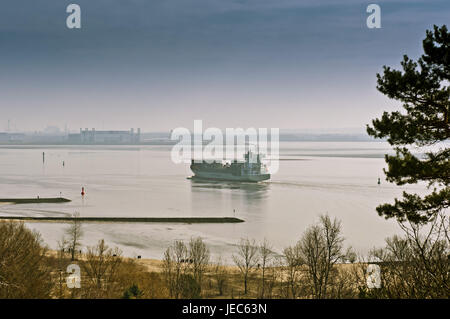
x=93, y=136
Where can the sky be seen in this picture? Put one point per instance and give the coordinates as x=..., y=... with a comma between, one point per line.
x=161, y=64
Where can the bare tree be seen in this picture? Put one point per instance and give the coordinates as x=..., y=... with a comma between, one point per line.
x=74, y=233
x=62, y=264
x=100, y=266
x=321, y=248
x=220, y=275
x=272, y=278
x=246, y=259
x=277, y=279
x=198, y=258
x=168, y=271
x=175, y=266
x=265, y=257
x=415, y=265
x=430, y=245
x=24, y=272
x=292, y=257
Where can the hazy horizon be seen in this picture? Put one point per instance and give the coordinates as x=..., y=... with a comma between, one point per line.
x=157, y=65
x=59, y=129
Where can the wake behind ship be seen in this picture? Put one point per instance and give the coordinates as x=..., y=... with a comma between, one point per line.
x=251, y=170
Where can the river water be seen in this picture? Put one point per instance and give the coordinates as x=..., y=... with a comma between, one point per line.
x=314, y=178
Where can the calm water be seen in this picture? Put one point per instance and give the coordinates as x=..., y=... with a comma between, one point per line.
x=338, y=178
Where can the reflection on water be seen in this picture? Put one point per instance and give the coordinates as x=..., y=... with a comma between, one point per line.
x=251, y=189
x=229, y=197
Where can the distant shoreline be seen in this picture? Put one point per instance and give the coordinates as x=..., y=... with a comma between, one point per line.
x=61, y=140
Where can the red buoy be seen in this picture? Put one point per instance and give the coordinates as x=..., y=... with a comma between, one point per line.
x=82, y=191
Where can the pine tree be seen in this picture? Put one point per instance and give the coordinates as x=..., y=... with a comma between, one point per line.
x=423, y=88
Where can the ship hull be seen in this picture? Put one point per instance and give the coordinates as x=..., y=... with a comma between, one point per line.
x=230, y=177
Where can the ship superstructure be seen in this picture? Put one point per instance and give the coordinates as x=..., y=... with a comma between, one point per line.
x=250, y=170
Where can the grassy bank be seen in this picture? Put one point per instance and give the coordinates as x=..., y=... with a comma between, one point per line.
x=219, y=281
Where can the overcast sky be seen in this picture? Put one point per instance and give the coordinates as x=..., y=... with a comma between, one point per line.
x=160, y=64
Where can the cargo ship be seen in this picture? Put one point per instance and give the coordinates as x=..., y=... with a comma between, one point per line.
x=250, y=170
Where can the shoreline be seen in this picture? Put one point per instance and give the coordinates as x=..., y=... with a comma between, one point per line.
x=36, y=200
x=181, y=220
